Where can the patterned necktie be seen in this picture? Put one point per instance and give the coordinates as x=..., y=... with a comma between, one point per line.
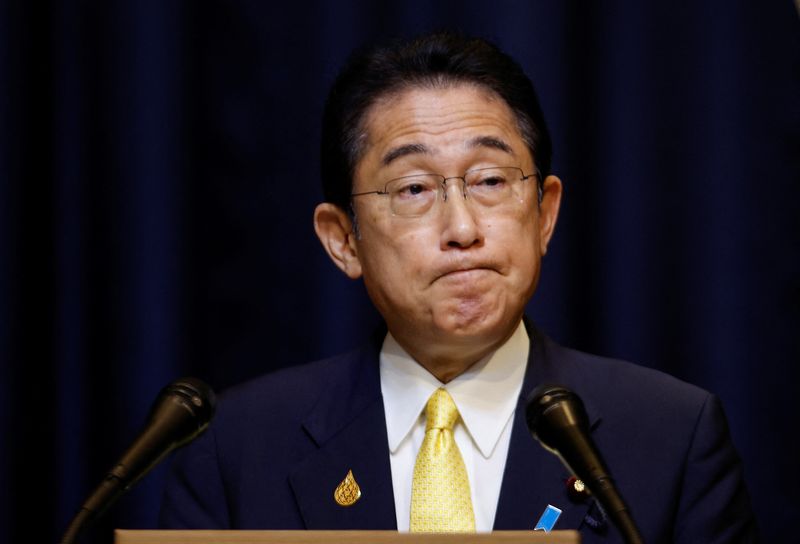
x=440, y=494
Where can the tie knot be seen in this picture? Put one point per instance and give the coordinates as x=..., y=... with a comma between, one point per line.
x=441, y=411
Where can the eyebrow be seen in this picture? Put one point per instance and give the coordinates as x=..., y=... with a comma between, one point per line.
x=492, y=142
x=402, y=151
x=413, y=149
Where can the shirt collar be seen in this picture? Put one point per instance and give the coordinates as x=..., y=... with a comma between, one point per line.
x=486, y=394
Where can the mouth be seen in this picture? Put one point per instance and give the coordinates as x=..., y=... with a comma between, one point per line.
x=464, y=274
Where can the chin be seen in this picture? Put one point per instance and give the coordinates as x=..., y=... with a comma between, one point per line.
x=473, y=322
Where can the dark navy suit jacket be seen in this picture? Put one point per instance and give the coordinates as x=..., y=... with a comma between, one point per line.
x=281, y=444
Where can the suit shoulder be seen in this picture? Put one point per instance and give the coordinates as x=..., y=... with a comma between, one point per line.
x=631, y=386
x=288, y=393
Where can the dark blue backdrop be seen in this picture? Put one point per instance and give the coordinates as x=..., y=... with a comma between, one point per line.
x=159, y=168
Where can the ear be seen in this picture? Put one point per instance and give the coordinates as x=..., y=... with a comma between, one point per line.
x=335, y=231
x=548, y=210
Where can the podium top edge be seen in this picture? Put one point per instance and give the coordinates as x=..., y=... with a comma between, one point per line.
x=123, y=536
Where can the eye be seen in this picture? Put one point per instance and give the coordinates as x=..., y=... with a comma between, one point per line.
x=414, y=189
x=490, y=181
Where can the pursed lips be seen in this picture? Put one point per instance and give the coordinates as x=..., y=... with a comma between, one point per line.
x=463, y=273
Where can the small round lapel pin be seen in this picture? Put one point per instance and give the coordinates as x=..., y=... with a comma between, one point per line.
x=577, y=490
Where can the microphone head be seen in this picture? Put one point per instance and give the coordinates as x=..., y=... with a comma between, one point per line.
x=187, y=405
x=199, y=397
x=550, y=409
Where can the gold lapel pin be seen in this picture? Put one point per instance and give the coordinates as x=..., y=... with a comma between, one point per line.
x=347, y=492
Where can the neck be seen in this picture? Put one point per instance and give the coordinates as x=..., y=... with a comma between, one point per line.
x=446, y=362
x=446, y=369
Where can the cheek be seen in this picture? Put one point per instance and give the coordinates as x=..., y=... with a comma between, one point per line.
x=520, y=243
x=514, y=232
x=394, y=259
x=411, y=249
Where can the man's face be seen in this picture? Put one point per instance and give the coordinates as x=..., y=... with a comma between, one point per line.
x=460, y=276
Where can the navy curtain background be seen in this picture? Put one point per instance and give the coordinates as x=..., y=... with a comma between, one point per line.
x=159, y=168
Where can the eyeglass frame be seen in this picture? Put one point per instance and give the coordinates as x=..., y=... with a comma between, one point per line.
x=443, y=183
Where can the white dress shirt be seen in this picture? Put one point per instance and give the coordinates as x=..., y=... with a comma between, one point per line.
x=486, y=396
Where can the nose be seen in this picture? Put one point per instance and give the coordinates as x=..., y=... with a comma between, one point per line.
x=460, y=228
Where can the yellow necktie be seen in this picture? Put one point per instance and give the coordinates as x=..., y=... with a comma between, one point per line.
x=440, y=495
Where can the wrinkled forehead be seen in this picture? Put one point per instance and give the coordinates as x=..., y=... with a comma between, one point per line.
x=428, y=117
x=396, y=94
x=371, y=127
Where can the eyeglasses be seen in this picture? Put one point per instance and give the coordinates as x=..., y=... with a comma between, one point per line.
x=489, y=188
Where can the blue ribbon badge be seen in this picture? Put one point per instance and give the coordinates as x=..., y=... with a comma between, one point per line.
x=548, y=519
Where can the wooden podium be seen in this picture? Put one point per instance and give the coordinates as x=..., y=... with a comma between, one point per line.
x=341, y=537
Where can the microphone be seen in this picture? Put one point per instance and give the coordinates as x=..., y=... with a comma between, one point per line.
x=557, y=419
x=181, y=412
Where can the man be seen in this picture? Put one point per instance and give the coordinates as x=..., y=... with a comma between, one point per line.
x=436, y=169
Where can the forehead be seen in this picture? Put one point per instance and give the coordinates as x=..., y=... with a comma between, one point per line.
x=443, y=121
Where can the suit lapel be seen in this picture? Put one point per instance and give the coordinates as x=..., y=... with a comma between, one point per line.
x=349, y=427
x=534, y=477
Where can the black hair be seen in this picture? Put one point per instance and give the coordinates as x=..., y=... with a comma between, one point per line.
x=434, y=60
